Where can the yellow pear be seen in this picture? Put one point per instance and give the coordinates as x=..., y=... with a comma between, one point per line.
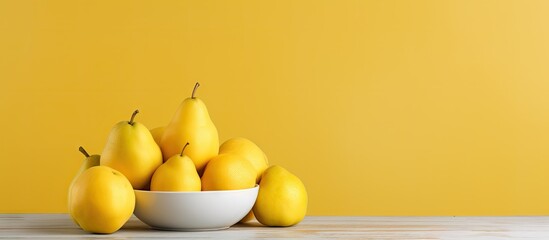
x=176, y=174
x=131, y=149
x=90, y=161
x=249, y=150
x=191, y=124
x=157, y=134
x=101, y=200
x=228, y=172
x=282, y=198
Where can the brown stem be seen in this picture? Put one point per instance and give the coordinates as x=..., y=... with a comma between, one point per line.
x=183, y=149
x=133, y=116
x=194, y=90
x=83, y=151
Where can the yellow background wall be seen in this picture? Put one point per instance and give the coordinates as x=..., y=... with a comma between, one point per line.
x=380, y=107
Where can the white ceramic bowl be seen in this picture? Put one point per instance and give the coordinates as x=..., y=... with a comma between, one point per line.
x=193, y=211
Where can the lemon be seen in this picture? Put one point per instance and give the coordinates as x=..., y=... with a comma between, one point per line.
x=248, y=150
x=228, y=172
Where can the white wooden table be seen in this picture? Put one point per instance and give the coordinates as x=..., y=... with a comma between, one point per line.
x=60, y=226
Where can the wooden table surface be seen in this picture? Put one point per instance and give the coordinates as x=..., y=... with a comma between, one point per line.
x=58, y=226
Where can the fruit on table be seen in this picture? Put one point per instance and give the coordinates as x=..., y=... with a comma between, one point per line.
x=248, y=150
x=101, y=200
x=282, y=198
x=228, y=172
x=131, y=149
x=191, y=124
x=157, y=134
x=176, y=174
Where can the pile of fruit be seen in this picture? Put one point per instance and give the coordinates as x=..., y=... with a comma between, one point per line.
x=183, y=156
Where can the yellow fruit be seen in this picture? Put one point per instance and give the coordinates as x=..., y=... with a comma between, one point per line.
x=157, y=134
x=249, y=217
x=282, y=198
x=131, y=150
x=90, y=161
x=249, y=151
x=176, y=174
x=228, y=172
x=101, y=200
x=191, y=124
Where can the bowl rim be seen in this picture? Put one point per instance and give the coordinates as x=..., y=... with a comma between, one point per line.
x=198, y=192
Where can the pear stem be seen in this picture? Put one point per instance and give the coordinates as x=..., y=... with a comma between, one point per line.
x=83, y=151
x=194, y=90
x=183, y=149
x=133, y=116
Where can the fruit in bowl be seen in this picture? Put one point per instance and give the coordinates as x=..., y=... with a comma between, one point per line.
x=131, y=149
x=228, y=172
x=194, y=183
x=193, y=211
x=175, y=201
x=177, y=174
x=191, y=124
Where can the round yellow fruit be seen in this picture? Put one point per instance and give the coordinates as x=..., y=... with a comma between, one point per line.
x=228, y=172
x=101, y=200
x=249, y=217
x=282, y=198
x=249, y=150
